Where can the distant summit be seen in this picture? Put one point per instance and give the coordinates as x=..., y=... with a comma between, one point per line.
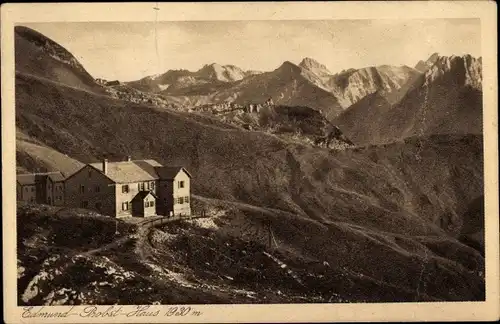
x=314, y=66
x=179, y=82
x=224, y=73
x=463, y=70
x=423, y=66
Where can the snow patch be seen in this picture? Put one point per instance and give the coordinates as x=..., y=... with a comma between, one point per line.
x=20, y=271
x=32, y=290
x=207, y=223
x=178, y=278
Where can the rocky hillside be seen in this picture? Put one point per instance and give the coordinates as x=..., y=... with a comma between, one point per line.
x=447, y=99
x=36, y=54
x=291, y=123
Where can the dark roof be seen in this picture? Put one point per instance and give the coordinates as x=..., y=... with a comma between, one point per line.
x=143, y=194
x=169, y=172
x=30, y=178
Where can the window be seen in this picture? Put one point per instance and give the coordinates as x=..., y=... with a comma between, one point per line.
x=84, y=204
x=124, y=188
x=32, y=189
x=98, y=205
x=180, y=200
x=26, y=188
x=152, y=185
x=125, y=205
x=181, y=184
x=97, y=189
x=147, y=185
x=151, y=204
x=82, y=188
x=90, y=174
x=186, y=199
x=141, y=186
x=146, y=204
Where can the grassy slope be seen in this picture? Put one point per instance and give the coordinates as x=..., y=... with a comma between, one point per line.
x=36, y=157
x=382, y=211
x=38, y=55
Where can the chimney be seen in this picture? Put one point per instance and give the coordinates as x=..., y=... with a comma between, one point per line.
x=105, y=166
x=129, y=158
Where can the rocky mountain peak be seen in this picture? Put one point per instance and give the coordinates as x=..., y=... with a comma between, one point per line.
x=423, y=66
x=289, y=67
x=314, y=66
x=225, y=73
x=463, y=70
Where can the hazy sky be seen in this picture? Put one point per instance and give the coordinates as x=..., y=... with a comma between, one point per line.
x=127, y=51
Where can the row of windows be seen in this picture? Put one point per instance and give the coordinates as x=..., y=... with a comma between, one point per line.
x=126, y=188
x=127, y=205
x=181, y=200
x=140, y=186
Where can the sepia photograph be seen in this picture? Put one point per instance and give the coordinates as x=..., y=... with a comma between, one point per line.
x=248, y=161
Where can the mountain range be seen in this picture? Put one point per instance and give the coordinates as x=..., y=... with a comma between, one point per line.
x=446, y=99
x=399, y=221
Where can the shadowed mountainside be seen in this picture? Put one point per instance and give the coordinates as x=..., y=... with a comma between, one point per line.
x=447, y=99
